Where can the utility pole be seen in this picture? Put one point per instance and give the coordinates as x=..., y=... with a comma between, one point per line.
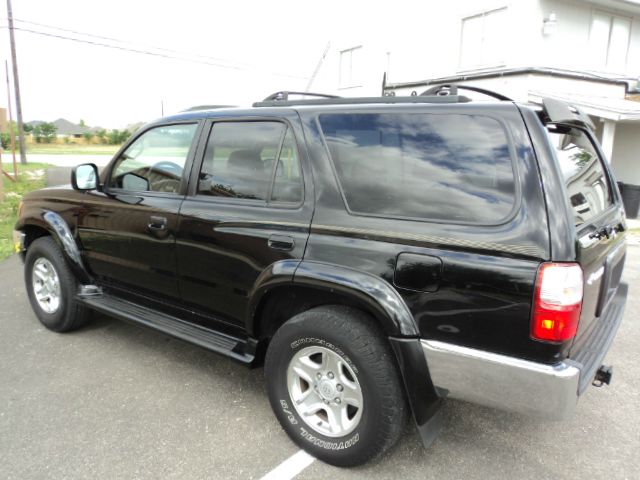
x=16, y=84
x=1, y=181
x=12, y=134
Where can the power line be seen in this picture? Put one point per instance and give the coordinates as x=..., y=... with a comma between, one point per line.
x=147, y=52
x=117, y=47
x=118, y=40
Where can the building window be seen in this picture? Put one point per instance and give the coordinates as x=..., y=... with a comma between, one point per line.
x=609, y=41
x=483, y=39
x=350, y=67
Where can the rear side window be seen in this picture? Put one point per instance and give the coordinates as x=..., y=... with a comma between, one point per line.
x=253, y=161
x=584, y=176
x=445, y=167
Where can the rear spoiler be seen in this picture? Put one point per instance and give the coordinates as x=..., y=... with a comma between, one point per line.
x=558, y=111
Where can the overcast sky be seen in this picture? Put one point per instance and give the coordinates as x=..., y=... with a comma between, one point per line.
x=247, y=50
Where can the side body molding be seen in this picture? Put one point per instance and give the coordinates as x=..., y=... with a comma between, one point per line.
x=375, y=292
x=62, y=233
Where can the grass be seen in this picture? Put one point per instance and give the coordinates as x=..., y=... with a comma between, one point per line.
x=67, y=149
x=30, y=177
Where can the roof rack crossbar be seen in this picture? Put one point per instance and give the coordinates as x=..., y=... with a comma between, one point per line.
x=452, y=89
x=284, y=95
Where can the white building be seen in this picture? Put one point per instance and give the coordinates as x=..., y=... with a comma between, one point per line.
x=585, y=52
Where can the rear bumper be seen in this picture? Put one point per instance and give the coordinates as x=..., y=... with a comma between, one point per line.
x=513, y=384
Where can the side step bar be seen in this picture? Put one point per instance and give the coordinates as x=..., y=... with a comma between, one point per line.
x=216, y=342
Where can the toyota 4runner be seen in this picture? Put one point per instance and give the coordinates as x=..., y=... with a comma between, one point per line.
x=377, y=255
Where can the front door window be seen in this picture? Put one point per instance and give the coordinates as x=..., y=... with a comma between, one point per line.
x=155, y=161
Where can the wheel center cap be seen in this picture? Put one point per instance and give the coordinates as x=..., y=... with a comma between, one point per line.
x=327, y=390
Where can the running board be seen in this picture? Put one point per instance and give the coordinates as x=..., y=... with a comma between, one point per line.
x=216, y=342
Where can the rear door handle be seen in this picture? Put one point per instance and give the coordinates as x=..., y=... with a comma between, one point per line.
x=157, y=223
x=281, y=242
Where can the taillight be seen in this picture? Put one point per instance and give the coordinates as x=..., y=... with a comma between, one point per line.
x=557, y=302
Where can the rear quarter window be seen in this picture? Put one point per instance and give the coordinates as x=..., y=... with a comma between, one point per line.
x=443, y=167
x=584, y=176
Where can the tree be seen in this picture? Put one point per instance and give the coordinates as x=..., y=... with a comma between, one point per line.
x=117, y=137
x=102, y=135
x=124, y=136
x=88, y=136
x=113, y=136
x=45, y=132
x=5, y=138
x=81, y=123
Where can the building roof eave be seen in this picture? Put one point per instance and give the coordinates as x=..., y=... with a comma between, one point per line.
x=631, y=85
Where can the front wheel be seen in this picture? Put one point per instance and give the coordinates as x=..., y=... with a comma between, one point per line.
x=52, y=287
x=334, y=385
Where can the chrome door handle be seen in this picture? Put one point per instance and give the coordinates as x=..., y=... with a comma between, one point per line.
x=281, y=242
x=157, y=223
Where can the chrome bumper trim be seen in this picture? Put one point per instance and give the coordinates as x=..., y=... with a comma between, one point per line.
x=503, y=382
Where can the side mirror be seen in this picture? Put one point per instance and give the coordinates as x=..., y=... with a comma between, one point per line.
x=85, y=177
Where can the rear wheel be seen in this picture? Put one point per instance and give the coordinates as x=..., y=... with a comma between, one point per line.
x=334, y=385
x=51, y=287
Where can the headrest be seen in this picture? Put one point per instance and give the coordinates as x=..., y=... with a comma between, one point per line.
x=245, y=160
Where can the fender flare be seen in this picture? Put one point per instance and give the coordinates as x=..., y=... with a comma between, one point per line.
x=61, y=231
x=376, y=293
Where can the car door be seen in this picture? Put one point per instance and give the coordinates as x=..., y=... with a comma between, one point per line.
x=128, y=229
x=250, y=206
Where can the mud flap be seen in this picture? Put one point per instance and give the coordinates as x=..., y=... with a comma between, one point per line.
x=423, y=397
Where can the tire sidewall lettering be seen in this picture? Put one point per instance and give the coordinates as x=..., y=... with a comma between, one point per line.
x=328, y=444
x=307, y=341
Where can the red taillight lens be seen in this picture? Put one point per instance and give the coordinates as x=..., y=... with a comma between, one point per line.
x=557, y=302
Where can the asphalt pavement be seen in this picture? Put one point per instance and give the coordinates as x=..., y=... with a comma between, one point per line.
x=115, y=400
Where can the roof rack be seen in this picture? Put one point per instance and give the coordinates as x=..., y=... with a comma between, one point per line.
x=334, y=100
x=452, y=89
x=207, y=107
x=284, y=95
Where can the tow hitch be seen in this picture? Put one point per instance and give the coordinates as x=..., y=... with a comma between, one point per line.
x=603, y=375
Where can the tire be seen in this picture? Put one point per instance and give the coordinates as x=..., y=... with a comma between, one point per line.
x=348, y=341
x=44, y=256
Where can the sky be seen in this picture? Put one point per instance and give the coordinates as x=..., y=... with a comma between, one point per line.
x=232, y=52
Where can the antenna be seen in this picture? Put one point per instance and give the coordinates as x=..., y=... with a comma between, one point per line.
x=315, y=72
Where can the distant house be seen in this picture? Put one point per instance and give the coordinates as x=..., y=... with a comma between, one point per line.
x=64, y=128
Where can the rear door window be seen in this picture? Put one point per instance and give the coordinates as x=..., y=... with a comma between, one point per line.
x=444, y=167
x=584, y=175
x=252, y=160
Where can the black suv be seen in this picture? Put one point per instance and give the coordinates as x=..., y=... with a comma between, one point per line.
x=378, y=255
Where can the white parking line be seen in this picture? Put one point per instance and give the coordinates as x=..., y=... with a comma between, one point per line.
x=291, y=467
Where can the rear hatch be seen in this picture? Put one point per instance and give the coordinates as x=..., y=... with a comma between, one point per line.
x=598, y=218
